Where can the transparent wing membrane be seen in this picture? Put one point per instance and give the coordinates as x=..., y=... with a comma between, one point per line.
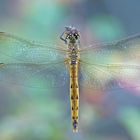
x=14, y=49
x=34, y=76
x=123, y=50
x=110, y=66
x=106, y=77
x=28, y=63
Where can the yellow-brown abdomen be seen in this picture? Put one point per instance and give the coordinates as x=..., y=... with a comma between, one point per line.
x=74, y=95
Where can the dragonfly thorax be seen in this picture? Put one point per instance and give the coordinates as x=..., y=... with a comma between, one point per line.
x=73, y=53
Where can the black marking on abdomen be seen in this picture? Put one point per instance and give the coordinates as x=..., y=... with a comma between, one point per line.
x=73, y=117
x=72, y=98
x=75, y=124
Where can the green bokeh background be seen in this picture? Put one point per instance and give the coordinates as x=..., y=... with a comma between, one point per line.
x=41, y=114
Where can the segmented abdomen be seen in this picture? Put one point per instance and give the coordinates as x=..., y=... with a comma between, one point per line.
x=74, y=95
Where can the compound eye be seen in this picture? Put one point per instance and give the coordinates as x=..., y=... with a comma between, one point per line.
x=76, y=36
x=69, y=36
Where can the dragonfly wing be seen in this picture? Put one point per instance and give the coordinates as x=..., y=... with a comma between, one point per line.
x=25, y=63
x=14, y=49
x=106, y=77
x=126, y=50
x=34, y=75
x=114, y=65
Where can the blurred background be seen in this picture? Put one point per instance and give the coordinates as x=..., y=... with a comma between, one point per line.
x=35, y=114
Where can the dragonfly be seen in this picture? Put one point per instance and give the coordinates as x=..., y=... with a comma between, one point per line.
x=99, y=66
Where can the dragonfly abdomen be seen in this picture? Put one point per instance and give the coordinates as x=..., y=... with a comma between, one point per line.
x=74, y=95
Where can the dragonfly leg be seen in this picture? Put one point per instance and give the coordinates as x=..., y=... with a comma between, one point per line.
x=62, y=38
x=66, y=62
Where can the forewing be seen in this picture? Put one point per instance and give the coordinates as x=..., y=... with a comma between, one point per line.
x=112, y=66
x=123, y=51
x=14, y=49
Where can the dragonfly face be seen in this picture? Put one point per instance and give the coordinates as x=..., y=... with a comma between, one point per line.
x=70, y=35
x=100, y=66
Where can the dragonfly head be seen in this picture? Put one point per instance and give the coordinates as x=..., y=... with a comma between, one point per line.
x=70, y=35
